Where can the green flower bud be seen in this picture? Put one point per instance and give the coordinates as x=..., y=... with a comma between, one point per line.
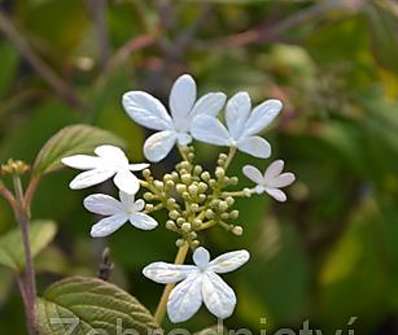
x=149, y=207
x=158, y=184
x=202, y=187
x=230, y=201
x=148, y=196
x=180, y=221
x=222, y=206
x=234, y=180
x=247, y=192
x=205, y=176
x=174, y=214
x=225, y=216
x=181, y=188
x=186, y=178
x=185, y=195
x=195, y=207
x=234, y=214
x=197, y=170
x=202, y=197
x=186, y=227
x=170, y=224
x=220, y=172
x=212, y=182
x=197, y=223
x=223, y=156
x=209, y=214
x=195, y=244
x=191, y=156
x=237, y=230
x=175, y=176
x=193, y=235
x=167, y=177
x=146, y=173
x=169, y=184
x=193, y=189
x=180, y=242
x=171, y=202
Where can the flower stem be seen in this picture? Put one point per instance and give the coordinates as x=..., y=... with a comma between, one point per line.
x=183, y=154
x=161, y=309
x=28, y=284
x=232, y=152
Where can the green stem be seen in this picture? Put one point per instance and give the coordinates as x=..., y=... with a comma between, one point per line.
x=232, y=152
x=29, y=292
x=161, y=309
x=182, y=153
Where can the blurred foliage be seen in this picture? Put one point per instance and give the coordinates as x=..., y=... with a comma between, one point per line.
x=328, y=254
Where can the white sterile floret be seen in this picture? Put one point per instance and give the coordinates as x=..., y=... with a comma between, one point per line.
x=199, y=283
x=272, y=180
x=110, y=162
x=117, y=213
x=243, y=125
x=149, y=112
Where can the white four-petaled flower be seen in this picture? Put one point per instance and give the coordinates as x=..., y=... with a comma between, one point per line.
x=117, y=213
x=243, y=125
x=199, y=283
x=149, y=112
x=110, y=161
x=271, y=181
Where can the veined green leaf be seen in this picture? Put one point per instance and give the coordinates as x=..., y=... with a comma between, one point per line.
x=89, y=304
x=71, y=140
x=42, y=232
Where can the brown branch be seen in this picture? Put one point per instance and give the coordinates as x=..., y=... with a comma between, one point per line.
x=6, y=193
x=63, y=90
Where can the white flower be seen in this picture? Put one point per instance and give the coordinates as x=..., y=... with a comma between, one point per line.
x=110, y=161
x=199, y=283
x=272, y=180
x=150, y=113
x=117, y=213
x=242, y=125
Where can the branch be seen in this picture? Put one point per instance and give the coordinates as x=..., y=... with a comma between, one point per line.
x=63, y=90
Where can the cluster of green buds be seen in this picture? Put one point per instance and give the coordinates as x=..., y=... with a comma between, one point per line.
x=14, y=167
x=194, y=198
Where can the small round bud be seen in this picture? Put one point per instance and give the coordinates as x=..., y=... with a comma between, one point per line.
x=212, y=182
x=214, y=203
x=148, y=196
x=171, y=225
x=247, y=192
x=202, y=187
x=175, y=176
x=171, y=202
x=158, y=184
x=237, y=230
x=202, y=197
x=193, y=189
x=195, y=208
x=180, y=221
x=149, y=207
x=225, y=216
x=195, y=244
x=146, y=173
x=222, y=206
x=210, y=214
x=174, y=214
x=223, y=156
x=197, y=170
x=181, y=188
x=234, y=214
x=196, y=223
x=193, y=235
x=185, y=195
x=230, y=201
x=186, y=227
x=169, y=184
x=205, y=176
x=186, y=178
x=220, y=172
x=234, y=180
x=191, y=156
x=180, y=242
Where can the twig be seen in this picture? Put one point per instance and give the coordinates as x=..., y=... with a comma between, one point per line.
x=106, y=265
x=6, y=193
x=63, y=90
x=97, y=10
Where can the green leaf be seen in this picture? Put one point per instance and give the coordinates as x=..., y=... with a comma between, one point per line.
x=71, y=140
x=90, y=304
x=42, y=232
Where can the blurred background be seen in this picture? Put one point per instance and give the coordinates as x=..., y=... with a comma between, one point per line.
x=330, y=252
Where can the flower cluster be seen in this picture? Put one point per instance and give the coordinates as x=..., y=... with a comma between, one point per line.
x=194, y=198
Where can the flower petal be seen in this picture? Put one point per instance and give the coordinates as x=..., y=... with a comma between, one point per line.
x=146, y=110
x=273, y=170
x=184, y=138
x=126, y=182
x=139, y=205
x=262, y=116
x=143, y=221
x=229, y=261
x=185, y=299
x=158, y=145
x=182, y=98
x=127, y=200
x=218, y=297
x=210, y=130
x=112, y=154
x=255, y=146
x=102, y=204
x=90, y=178
x=282, y=180
x=253, y=174
x=139, y=167
x=209, y=104
x=82, y=162
x=277, y=194
x=165, y=273
x=237, y=112
x=201, y=258
x=107, y=226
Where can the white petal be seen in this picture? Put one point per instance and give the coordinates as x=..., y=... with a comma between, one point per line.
x=112, y=154
x=146, y=110
x=102, y=204
x=184, y=138
x=165, y=273
x=253, y=174
x=282, y=180
x=158, y=145
x=255, y=146
x=210, y=130
x=182, y=98
x=277, y=194
x=127, y=200
x=209, y=104
x=139, y=205
x=262, y=116
x=82, y=162
x=185, y=299
x=90, y=178
x=237, y=112
x=143, y=221
x=201, y=257
x=139, y=167
x=273, y=170
x=218, y=297
x=126, y=182
x=109, y=225
x=229, y=261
